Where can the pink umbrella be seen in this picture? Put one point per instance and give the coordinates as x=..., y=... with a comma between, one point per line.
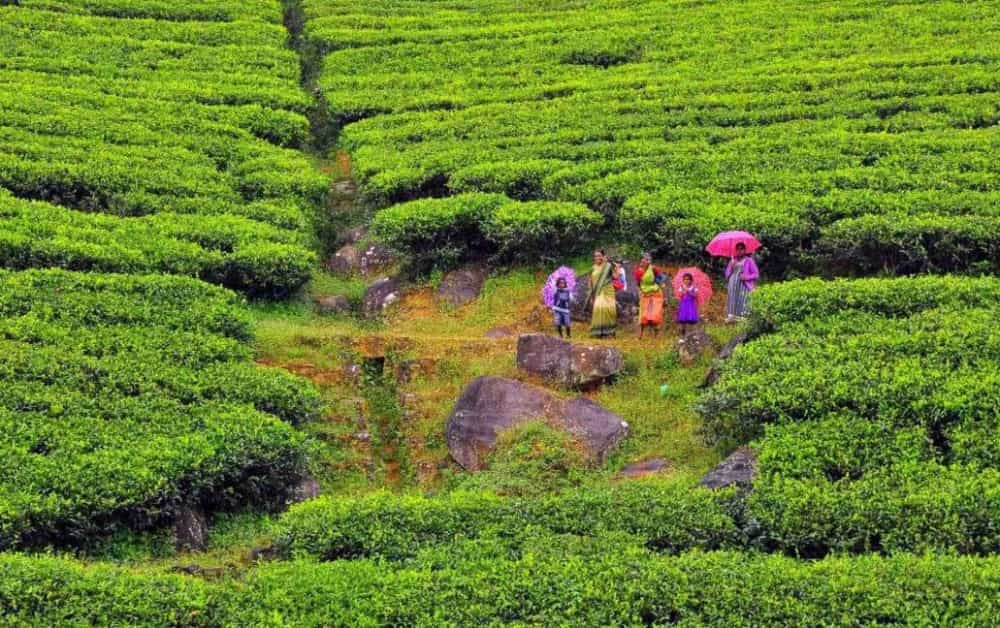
x=724, y=244
x=700, y=281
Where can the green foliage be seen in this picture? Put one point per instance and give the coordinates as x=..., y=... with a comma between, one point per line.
x=529, y=460
x=126, y=397
x=548, y=581
x=667, y=516
x=674, y=137
x=439, y=233
x=165, y=125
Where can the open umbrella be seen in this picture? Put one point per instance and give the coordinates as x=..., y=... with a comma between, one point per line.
x=549, y=290
x=700, y=281
x=724, y=244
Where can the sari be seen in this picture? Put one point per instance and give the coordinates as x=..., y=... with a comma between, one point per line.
x=650, y=299
x=742, y=277
x=604, y=319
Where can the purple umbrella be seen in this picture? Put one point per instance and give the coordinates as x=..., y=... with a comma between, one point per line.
x=549, y=291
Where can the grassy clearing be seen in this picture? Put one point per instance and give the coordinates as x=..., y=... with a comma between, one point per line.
x=443, y=348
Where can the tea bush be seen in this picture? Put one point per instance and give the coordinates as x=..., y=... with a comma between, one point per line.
x=126, y=397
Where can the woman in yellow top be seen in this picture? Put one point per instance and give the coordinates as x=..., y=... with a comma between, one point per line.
x=649, y=278
x=604, y=320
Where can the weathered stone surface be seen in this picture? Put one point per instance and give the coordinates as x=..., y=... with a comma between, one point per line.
x=739, y=468
x=567, y=364
x=354, y=258
x=489, y=405
x=644, y=468
x=333, y=304
x=380, y=295
x=352, y=235
x=190, y=529
x=599, y=429
x=713, y=373
x=693, y=344
x=307, y=488
x=409, y=370
x=462, y=286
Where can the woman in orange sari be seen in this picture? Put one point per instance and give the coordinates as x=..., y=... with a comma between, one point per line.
x=649, y=279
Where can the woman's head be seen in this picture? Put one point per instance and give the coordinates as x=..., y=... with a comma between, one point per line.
x=688, y=279
x=647, y=259
x=599, y=256
x=561, y=283
x=741, y=249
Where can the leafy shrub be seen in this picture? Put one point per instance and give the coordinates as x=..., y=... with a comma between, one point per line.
x=126, y=397
x=437, y=232
x=901, y=244
x=540, y=229
x=529, y=460
x=670, y=517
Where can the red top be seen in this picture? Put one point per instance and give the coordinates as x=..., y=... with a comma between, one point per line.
x=640, y=271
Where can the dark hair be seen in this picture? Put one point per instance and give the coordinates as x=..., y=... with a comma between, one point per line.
x=741, y=245
x=601, y=251
x=562, y=280
x=688, y=276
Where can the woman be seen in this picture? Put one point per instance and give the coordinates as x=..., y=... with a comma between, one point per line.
x=742, y=275
x=602, y=294
x=649, y=278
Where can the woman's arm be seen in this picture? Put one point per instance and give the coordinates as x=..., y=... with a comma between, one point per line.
x=750, y=272
x=729, y=266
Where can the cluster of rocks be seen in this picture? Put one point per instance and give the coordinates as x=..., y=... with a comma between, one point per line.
x=489, y=405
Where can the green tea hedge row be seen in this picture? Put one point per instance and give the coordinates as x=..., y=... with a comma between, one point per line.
x=443, y=232
x=931, y=369
x=674, y=138
x=778, y=304
x=670, y=517
x=126, y=397
x=554, y=582
x=232, y=251
x=202, y=10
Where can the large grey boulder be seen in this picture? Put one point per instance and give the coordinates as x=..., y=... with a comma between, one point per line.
x=380, y=295
x=489, y=405
x=567, y=364
x=462, y=286
x=739, y=468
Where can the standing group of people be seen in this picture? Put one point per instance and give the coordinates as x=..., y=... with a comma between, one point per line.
x=607, y=277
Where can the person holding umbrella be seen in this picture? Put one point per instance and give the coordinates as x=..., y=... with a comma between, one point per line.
x=693, y=289
x=741, y=272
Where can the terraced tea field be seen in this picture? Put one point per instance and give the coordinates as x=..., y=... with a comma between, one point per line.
x=183, y=365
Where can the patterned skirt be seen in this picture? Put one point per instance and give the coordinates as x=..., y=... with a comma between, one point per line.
x=738, y=301
x=604, y=320
x=651, y=308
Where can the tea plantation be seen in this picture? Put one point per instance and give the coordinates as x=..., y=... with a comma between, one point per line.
x=171, y=175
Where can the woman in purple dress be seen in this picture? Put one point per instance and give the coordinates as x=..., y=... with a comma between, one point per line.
x=687, y=310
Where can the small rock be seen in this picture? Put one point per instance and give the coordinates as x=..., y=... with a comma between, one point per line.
x=263, y=553
x=570, y=365
x=346, y=188
x=644, y=468
x=489, y=405
x=409, y=370
x=713, y=373
x=351, y=258
x=347, y=259
x=380, y=295
x=500, y=332
x=739, y=468
x=190, y=529
x=693, y=344
x=363, y=437
x=352, y=371
x=307, y=488
x=333, y=304
x=462, y=286
x=353, y=235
